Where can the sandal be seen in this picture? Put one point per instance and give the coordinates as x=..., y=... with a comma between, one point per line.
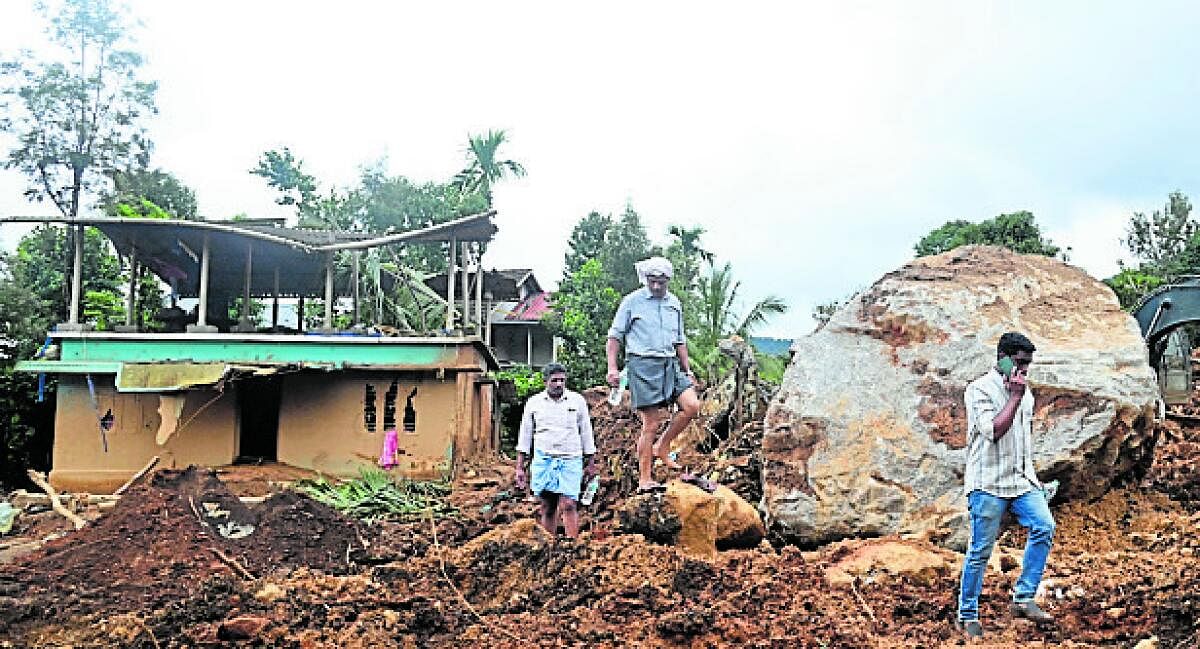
x=699, y=481
x=652, y=488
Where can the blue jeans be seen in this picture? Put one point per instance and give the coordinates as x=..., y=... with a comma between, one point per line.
x=1032, y=512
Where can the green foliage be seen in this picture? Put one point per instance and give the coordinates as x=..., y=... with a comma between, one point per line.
x=103, y=309
x=285, y=172
x=625, y=245
x=42, y=257
x=78, y=118
x=1016, y=231
x=587, y=241
x=392, y=204
x=24, y=319
x=1161, y=239
x=484, y=169
x=141, y=209
x=151, y=194
x=581, y=316
x=1132, y=284
x=375, y=495
x=527, y=380
x=1166, y=244
x=719, y=318
x=771, y=368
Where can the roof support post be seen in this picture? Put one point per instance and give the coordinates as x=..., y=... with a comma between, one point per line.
x=354, y=275
x=131, y=299
x=275, y=302
x=300, y=314
x=479, y=323
x=202, y=325
x=529, y=346
x=450, y=285
x=329, y=292
x=466, y=289
x=244, y=321
x=73, y=323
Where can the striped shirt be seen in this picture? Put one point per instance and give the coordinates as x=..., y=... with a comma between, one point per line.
x=649, y=326
x=1002, y=467
x=562, y=427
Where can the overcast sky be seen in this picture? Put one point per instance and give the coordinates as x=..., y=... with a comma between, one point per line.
x=815, y=142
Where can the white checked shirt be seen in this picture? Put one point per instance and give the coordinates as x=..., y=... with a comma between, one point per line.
x=1002, y=467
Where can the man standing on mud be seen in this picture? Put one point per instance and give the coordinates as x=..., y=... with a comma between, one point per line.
x=650, y=323
x=999, y=478
x=557, y=428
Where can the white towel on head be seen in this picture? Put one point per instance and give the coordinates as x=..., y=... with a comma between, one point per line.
x=654, y=266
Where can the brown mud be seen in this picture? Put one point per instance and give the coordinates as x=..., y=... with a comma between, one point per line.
x=1124, y=568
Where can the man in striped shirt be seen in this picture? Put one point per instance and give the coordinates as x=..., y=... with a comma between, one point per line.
x=1000, y=478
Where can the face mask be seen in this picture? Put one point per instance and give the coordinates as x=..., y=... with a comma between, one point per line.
x=1005, y=366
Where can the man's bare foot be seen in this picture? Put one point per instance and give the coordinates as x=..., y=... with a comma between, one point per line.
x=666, y=459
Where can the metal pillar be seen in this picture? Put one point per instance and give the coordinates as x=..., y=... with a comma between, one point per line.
x=357, y=260
x=244, y=322
x=529, y=346
x=450, y=284
x=131, y=299
x=329, y=292
x=466, y=289
x=479, y=323
x=76, y=277
x=275, y=302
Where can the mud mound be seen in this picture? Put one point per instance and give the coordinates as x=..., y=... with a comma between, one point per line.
x=1176, y=468
x=162, y=540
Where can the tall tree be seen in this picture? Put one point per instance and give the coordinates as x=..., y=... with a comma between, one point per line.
x=1016, y=231
x=587, y=242
x=285, y=173
x=484, y=166
x=80, y=116
x=1159, y=240
x=625, y=245
x=581, y=316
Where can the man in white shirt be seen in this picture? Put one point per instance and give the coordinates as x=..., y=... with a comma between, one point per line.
x=557, y=429
x=999, y=477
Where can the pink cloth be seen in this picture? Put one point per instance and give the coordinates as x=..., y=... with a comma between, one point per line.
x=391, y=444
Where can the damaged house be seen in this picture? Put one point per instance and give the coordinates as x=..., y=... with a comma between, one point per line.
x=215, y=391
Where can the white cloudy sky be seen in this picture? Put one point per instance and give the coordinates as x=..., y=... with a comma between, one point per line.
x=815, y=142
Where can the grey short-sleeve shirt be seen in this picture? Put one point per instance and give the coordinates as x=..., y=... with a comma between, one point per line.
x=648, y=325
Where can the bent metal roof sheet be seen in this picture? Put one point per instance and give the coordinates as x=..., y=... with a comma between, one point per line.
x=172, y=248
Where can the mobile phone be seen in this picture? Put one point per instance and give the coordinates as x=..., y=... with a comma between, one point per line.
x=1005, y=365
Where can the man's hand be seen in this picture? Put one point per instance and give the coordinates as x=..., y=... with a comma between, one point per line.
x=1016, y=384
x=614, y=377
x=590, y=470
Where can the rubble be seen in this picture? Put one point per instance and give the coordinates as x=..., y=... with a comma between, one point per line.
x=1123, y=570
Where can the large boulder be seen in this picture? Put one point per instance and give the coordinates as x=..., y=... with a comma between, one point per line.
x=866, y=436
x=693, y=520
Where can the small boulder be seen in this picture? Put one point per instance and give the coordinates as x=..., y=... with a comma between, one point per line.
x=242, y=627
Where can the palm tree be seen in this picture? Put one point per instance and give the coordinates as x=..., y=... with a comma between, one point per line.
x=718, y=293
x=483, y=169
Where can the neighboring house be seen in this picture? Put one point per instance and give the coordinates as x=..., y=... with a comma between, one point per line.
x=222, y=392
x=514, y=303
